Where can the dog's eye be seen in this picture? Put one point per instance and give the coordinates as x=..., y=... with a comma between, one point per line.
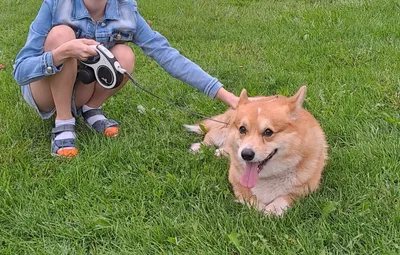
x=242, y=130
x=268, y=132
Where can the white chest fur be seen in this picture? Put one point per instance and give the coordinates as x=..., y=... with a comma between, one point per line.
x=269, y=187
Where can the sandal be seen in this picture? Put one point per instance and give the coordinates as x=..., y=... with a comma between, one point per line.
x=108, y=127
x=63, y=147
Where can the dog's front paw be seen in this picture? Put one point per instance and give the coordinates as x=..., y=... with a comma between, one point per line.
x=220, y=153
x=195, y=148
x=276, y=207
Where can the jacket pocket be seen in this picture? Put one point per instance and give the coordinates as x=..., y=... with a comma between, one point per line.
x=121, y=37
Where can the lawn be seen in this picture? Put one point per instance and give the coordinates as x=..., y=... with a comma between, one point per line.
x=143, y=193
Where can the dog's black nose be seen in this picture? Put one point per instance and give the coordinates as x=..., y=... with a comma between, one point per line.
x=248, y=154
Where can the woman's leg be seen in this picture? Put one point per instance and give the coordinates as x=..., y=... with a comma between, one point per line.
x=56, y=92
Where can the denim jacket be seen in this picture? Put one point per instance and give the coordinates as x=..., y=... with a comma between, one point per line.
x=121, y=23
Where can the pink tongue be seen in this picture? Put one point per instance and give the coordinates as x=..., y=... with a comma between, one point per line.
x=250, y=176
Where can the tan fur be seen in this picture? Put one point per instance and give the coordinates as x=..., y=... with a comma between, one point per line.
x=296, y=167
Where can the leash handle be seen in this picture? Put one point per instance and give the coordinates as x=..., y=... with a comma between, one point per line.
x=105, y=67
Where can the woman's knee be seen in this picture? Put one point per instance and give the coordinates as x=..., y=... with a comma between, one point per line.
x=41, y=94
x=125, y=56
x=57, y=36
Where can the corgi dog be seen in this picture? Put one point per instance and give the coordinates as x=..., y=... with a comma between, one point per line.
x=277, y=149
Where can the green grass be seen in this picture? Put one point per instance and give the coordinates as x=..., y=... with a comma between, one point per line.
x=143, y=193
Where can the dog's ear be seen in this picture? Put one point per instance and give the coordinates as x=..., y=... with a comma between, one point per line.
x=296, y=102
x=243, y=99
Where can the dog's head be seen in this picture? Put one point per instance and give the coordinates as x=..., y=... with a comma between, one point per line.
x=266, y=134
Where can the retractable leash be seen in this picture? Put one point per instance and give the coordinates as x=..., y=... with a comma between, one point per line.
x=103, y=67
x=109, y=74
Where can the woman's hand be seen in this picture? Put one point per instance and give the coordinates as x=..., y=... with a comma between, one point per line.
x=78, y=48
x=227, y=97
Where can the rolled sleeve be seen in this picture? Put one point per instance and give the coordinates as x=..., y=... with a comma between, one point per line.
x=212, y=88
x=48, y=67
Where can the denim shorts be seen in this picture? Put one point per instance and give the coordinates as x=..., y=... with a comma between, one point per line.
x=27, y=94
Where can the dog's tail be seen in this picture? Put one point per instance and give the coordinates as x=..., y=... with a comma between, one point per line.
x=194, y=128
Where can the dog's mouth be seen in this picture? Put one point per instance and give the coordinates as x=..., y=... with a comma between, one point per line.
x=249, y=177
x=265, y=161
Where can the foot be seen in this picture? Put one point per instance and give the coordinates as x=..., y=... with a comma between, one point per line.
x=95, y=118
x=276, y=207
x=63, y=139
x=195, y=148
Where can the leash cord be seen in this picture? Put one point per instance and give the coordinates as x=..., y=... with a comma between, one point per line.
x=166, y=101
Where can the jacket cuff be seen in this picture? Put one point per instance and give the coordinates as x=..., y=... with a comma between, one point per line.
x=48, y=66
x=212, y=88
